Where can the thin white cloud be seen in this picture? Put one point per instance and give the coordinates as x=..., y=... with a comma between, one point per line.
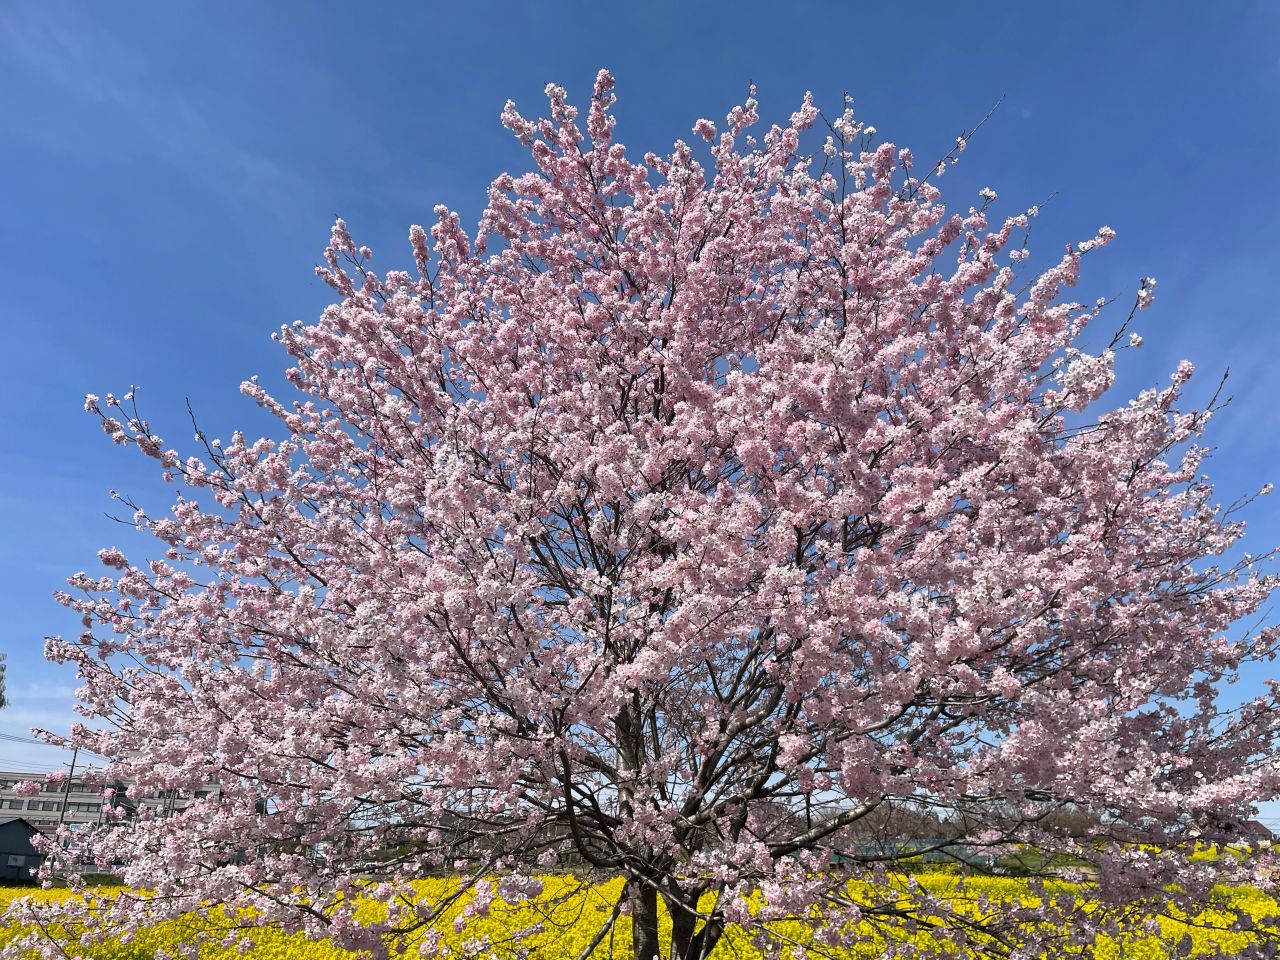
x=154, y=120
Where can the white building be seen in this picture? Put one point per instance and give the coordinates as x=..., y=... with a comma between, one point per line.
x=76, y=802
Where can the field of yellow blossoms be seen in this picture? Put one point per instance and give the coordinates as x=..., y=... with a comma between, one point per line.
x=570, y=912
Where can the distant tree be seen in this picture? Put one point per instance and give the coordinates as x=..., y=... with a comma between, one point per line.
x=685, y=494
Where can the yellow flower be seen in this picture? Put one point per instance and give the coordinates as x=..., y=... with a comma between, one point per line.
x=561, y=921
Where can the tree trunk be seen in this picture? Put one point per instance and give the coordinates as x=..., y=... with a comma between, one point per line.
x=644, y=922
x=682, y=924
x=685, y=944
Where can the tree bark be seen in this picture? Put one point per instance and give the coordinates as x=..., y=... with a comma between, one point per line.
x=644, y=922
x=682, y=924
x=687, y=945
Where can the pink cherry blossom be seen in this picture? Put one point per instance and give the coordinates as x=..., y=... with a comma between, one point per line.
x=716, y=519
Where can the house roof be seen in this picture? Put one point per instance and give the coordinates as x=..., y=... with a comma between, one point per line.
x=5, y=821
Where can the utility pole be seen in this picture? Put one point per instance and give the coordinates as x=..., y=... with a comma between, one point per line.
x=66, y=789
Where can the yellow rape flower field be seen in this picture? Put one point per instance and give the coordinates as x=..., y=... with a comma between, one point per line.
x=569, y=912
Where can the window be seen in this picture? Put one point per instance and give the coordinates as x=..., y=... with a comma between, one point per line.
x=14, y=804
x=43, y=805
x=52, y=788
x=17, y=860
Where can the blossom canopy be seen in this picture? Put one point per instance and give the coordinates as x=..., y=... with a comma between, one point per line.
x=737, y=521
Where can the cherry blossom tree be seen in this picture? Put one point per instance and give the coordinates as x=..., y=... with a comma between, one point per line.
x=695, y=521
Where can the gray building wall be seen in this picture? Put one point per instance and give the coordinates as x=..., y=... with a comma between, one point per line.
x=18, y=858
x=81, y=804
x=77, y=803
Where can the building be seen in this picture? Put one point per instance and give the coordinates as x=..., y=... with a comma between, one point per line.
x=164, y=802
x=74, y=803
x=18, y=857
x=1256, y=834
x=78, y=803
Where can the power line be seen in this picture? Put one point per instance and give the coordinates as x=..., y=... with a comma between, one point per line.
x=14, y=738
x=26, y=766
x=30, y=762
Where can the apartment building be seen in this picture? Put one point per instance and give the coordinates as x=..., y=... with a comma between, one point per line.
x=77, y=802
x=74, y=803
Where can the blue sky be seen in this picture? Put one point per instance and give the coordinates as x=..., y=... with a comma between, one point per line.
x=171, y=171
